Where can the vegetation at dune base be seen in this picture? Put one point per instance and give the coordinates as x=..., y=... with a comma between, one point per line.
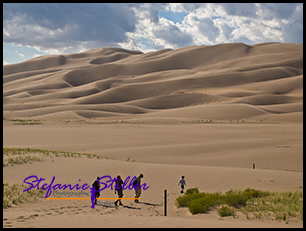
x=13, y=194
x=13, y=156
x=255, y=204
x=23, y=121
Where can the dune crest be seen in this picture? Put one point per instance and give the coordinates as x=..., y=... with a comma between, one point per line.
x=198, y=82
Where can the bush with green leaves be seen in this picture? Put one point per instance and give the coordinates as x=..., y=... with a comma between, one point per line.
x=251, y=193
x=201, y=205
x=192, y=191
x=226, y=211
x=184, y=201
x=236, y=200
x=257, y=202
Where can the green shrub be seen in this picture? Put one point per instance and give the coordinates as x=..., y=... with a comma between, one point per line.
x=184, y=201
x=251, y=193
x=257, y=202
x=236, y=200
x=192, y=191
x=226, y=211
x=198, y=206
x=201, y=205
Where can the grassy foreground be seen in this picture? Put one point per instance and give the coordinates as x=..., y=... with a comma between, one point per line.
x=13, y=194
x=255, y=204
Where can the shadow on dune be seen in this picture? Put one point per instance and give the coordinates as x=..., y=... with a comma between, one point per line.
x=145, y=203
x=129, y=207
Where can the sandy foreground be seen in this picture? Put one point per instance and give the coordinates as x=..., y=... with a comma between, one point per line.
x=278, y=168
x=208, y=113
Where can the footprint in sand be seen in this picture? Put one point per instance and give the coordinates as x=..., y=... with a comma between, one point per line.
x=7, y=224
x=34, y=215
x=59, y=212
x=20, y=219
x=109, y=212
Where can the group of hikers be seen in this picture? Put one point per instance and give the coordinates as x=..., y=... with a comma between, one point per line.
x=119, y=188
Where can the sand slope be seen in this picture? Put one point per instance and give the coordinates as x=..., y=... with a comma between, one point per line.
x=263, y=81
x=148, y=213
x=213, y=157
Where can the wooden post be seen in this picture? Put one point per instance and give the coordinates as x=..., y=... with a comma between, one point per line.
x=165, y=202
x=253, y=165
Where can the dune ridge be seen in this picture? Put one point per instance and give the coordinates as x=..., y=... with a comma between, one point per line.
x=184, y=83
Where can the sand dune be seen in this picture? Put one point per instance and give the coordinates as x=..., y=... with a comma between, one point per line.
x=206, y=112
x=214, y=77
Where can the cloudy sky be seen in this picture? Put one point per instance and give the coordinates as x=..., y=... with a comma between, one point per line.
x=30, y=30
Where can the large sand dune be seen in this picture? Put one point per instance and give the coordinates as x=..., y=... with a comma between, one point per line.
x=206, y=112
x=222, y=82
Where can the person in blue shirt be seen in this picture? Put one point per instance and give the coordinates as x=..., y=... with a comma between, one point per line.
x=182, y=182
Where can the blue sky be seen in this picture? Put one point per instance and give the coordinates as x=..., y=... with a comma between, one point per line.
x=34, y=29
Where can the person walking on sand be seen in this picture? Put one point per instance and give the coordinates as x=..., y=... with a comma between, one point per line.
x=119, y=189
x=97, y=186
x=93, y=197
x=137, y=187
x=182, y=182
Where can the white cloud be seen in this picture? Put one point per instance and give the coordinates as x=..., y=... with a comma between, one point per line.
x=21, y=55
x=211, y=24
x=70, y=28
x=176, y=7
x=67, y=27
x=219, y=24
